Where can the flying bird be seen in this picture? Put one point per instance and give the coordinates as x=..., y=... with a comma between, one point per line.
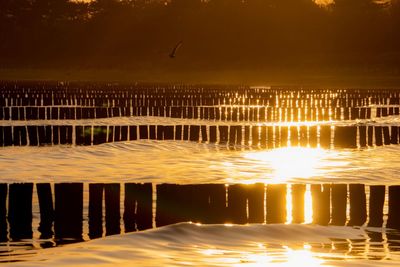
x=173, y=52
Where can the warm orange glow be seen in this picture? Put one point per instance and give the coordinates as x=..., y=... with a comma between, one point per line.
x=290, y=162
x=293, y=257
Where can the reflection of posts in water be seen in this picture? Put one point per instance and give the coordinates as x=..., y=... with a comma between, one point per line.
x=393, y=240
x=376, y=245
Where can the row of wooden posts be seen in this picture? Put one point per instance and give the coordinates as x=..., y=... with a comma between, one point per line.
x=61, y=213
x=325, y=136
x=261, y=114
x=39, y=94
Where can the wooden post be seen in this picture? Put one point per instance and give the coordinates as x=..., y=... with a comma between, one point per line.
x=358, y=205
x=256, y=202
x=117, y=133
x=325, y=136
x=394, y=135
x=201, y=200
x=138, y=207
x=386, y=135
x=276, y=203
x=216, y=210
x=312, y=140
x=20, y=136
x=303, y=136
x=283, y=136
x=46, y=210
x=363, y=135
x=68, y=210
x=247, y=135
x=96, y=210
x=178, y=132
x=255, y=136
x=204, y=133
x=264, y=136
x=194, y=133
x=237, y=200
x=370, y=136
x=3, y=213
x=294, y=136
x=167, y=206
x=1, y=135
x=112, y=201
x=80, y=138
x=378, y=136
x=298, y=192
x=223, y=134
x=133, y=132
x=169, y=132
x=160, y=132
x=99, y=135
x=33, y=135
x=339, y=202
x=345, y=137
x=271, y=142
x=20, y=211
x=186, y=132
x=321, y=196
x=213, y=134
x=143, y=132
x=376, y=201
x=152, y=132
x=394, y=204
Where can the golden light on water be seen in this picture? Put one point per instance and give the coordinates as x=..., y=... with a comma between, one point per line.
x=286, y=257
x=290, y=162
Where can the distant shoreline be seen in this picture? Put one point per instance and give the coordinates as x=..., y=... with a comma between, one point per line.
x=227, y=77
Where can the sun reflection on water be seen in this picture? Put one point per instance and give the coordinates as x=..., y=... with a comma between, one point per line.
x=264, y=256
x=290, y=162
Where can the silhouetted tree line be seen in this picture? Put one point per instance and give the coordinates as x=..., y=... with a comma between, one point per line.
x=216, y=33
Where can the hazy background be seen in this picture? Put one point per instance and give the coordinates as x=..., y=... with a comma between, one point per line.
x=251, y=40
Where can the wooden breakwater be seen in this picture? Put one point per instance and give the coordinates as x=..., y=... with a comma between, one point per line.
x=146, y=205
x=55, y=101
x=214, y=113
x=125, y=95
x=256, y=136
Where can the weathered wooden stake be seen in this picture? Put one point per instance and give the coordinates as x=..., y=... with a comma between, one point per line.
x=112, y=201
x=20, y=211
x=376, y=201
x=358, y=205
x=46, y=210
x=96, y=210
x=276, y=203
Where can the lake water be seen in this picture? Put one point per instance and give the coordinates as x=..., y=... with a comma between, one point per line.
x=184, y=162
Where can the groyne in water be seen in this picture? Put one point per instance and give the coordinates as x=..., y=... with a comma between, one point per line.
x=262, y=136
x=144, y=206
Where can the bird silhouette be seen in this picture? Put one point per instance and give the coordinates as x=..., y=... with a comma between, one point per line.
x=173, y=52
